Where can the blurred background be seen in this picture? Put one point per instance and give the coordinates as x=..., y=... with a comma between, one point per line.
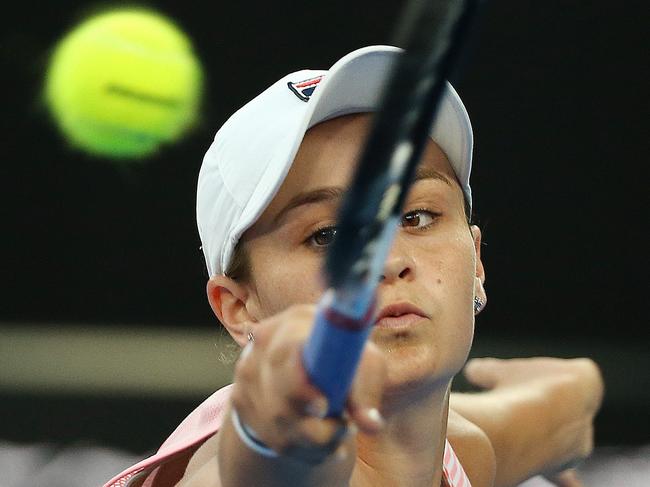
x=106, y=337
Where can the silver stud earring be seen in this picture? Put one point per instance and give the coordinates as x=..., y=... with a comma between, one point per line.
x=251, y=337
x=478, y=304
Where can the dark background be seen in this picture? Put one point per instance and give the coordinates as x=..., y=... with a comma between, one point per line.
x=556, y=92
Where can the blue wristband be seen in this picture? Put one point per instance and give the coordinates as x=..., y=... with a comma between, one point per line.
x=249, y=437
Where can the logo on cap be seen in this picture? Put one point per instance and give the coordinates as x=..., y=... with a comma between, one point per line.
x=304, y=89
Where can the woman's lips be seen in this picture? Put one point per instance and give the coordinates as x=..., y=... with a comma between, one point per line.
x=402, y=321
x=399, y=315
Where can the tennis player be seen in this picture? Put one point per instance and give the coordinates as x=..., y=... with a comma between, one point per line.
x=267, y=199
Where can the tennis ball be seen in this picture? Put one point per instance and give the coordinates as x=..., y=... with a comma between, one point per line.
x=124, y=82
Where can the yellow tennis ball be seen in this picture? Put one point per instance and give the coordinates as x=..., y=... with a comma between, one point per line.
x=124, y=82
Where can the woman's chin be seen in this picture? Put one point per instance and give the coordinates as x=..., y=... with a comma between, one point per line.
x=414, y=368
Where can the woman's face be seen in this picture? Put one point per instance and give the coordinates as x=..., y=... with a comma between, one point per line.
x=433, y=264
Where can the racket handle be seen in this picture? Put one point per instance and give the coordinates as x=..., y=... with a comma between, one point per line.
x=332, y=352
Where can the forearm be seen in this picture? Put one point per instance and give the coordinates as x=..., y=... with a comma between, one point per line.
x=538, y=412
x=529, y=436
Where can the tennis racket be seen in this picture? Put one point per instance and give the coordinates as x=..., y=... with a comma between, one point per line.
x=432, y=32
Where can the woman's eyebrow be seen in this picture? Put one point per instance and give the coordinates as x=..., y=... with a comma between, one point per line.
x=330, y=193
x=318, y=195
x=430, y=173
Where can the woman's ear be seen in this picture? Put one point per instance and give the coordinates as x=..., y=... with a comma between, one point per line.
x=228, y=299
x=479, y=281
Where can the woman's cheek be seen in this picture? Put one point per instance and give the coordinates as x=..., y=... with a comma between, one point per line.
x=296, y=283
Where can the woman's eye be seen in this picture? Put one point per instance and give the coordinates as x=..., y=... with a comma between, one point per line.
x=322, y=237
x=418, y=219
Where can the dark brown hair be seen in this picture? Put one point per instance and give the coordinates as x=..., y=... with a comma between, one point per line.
x=239, y=268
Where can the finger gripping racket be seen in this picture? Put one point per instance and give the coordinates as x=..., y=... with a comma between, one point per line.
x=431, y=32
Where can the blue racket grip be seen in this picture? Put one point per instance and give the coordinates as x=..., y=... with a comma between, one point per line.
x=332, y=353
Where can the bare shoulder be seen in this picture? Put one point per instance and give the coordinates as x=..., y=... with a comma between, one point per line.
x=473, y=448
x=203, y=468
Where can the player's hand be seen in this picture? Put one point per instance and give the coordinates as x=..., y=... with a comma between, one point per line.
x=274, y=398
x=574, y=386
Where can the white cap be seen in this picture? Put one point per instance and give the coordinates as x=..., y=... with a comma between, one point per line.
x=252, y=152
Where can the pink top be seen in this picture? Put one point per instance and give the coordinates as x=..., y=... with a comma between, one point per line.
x=201, y=424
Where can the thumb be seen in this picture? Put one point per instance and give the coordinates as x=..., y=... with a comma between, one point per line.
x=485, y=373
x=568, y=478
x=367, y=390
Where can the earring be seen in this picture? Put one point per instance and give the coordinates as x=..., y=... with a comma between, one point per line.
x=478, y=305
x=251, y=337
